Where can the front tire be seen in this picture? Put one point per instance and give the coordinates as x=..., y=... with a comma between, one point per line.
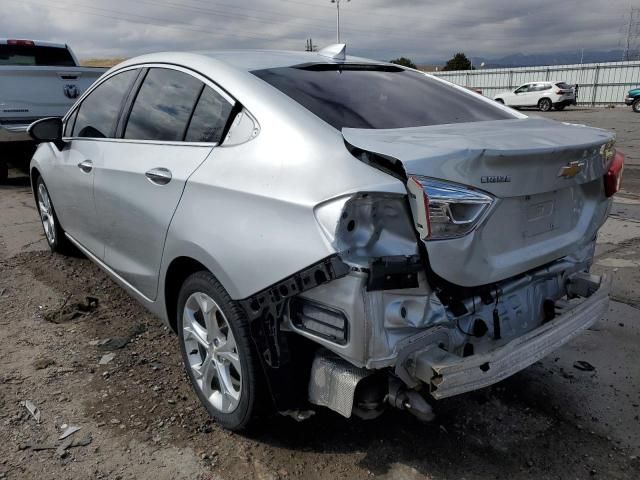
x=544, y=105
x=217, y=352
x=53, y=232
x=635, y=106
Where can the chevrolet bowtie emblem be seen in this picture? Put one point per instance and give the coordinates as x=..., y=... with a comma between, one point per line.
x=571, y=170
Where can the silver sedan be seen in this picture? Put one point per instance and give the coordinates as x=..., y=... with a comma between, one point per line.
x=329, y=230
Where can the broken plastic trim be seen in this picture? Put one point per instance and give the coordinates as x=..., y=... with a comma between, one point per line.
x=394, y=273
x=265, y=311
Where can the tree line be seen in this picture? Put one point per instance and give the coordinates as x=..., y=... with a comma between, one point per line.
x=458, y=62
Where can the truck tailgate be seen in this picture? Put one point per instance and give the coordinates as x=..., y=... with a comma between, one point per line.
x=31, y=92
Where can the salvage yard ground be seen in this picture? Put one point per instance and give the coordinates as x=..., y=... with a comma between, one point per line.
x=574, y=415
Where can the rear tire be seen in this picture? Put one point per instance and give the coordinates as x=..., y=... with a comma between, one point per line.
x=53, y=232
x=559, y=107
x=635, y=106
x=544, y=105
x=218, y=354
x=500, y=101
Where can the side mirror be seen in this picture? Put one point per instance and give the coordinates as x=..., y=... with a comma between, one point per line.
x=46, y=130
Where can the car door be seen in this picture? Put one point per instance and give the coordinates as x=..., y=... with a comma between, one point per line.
x=519, y=97
x=172, y=126
x=87, y=130
x=535, y=94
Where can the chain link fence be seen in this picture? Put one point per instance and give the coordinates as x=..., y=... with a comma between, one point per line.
x=599, y=83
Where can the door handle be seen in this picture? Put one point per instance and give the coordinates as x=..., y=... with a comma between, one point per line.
x=86, y=166
x=159, y=176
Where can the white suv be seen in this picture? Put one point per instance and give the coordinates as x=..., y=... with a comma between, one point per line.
x=543, y=95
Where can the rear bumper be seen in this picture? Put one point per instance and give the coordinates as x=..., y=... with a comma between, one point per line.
x=449, y=375
x=14, y=133
x=566, y=102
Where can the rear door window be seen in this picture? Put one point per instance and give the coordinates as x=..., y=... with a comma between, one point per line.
x=378, y=96
x=99, y=111
x=209, y=117
x=35, y=55
x=163, y=106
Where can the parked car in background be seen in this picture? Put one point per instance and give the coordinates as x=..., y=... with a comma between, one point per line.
x=633, y=99
x=329, y=229
x=475, y=89
x=37, y=79
x=544, y=95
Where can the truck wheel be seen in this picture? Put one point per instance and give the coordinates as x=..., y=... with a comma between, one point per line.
x=544, y=105
x=53, y=232
x=218, y=353
x=4, y=171
x=636, y=105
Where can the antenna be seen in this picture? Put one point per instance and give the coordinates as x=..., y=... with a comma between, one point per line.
x=337, y=51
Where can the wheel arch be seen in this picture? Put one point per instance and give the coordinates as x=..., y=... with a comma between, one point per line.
x=34, y=174
x=177, y=272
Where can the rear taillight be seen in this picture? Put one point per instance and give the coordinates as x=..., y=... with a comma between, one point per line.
x=613, y=177
x=22, y=43
x=444, y=210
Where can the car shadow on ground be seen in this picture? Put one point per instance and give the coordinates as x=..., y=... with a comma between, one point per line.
x=511, y=430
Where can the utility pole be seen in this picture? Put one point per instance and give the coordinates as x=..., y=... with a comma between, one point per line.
x=337, y=2
x=632, y=34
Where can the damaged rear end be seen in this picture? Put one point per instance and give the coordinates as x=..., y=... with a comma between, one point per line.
x=476, y=270
x=480, y=270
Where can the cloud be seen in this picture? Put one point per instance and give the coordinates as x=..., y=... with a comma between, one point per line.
x=380, y=29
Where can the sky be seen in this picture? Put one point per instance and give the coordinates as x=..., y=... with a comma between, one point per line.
x=425, y=31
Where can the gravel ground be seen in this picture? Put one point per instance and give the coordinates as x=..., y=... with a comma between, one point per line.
x=143, y=422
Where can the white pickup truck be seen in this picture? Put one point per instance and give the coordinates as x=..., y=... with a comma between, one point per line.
x=37, y=79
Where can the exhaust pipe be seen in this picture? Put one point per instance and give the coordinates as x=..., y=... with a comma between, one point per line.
x=410, y=400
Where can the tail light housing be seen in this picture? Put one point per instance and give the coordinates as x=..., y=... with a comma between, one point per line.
x=444, y=210
x=613, y=177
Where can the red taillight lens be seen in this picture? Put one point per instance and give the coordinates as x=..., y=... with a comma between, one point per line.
x=22, y=43
x=613, y=177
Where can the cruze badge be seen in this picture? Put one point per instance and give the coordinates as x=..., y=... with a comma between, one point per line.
x=71, y=91
x=496, y=179
x=571, y=170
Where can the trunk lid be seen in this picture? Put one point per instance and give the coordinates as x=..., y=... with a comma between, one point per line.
x=546, y=177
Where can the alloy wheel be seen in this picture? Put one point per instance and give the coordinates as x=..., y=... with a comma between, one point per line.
x=212, y=352
x=46, y=214
x=544, y=105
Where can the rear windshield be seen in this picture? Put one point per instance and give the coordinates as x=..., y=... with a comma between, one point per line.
x=41, y=56
x=564, y=86
x=370, y=96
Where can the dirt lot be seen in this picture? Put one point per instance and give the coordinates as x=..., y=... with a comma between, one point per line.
x=550, y=421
